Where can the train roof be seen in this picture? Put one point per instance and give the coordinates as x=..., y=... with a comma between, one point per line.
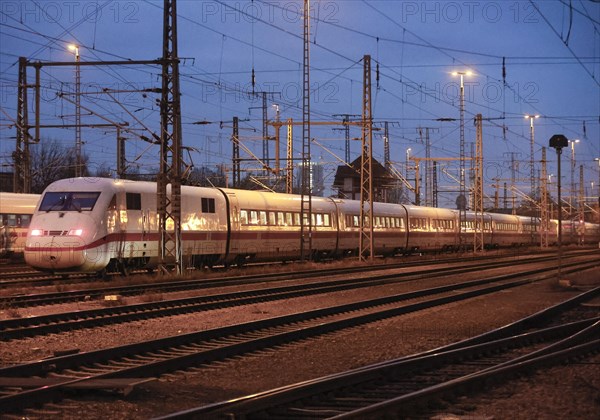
x=18, y=203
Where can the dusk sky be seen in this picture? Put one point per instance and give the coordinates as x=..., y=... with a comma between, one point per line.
x=550, y=50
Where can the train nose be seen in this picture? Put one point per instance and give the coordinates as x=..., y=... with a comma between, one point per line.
x=64, y=247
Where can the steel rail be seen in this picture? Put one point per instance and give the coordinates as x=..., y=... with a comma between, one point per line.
x=173, y=286
x=155, y=357
x=55, y=323
x=388, y=388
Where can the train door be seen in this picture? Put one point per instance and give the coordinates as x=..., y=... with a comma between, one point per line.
x=232, y=225
x=120, y=228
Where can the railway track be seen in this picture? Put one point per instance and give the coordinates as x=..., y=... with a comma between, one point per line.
x=406, y=387
x=20, y=275
x=24, y=300
x=55, y=323
x=124, y=366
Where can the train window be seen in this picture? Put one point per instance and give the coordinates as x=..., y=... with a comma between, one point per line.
x=296, y=219
x=289, y=219
x=271, y=218
x=418, y=223
x=326, y=220
x=244, y=217
x=208, y=205
x=25, y=219
x=262, y=218
x=133, y=201
x=12, y=220
x=253, y=217
x=280, y=219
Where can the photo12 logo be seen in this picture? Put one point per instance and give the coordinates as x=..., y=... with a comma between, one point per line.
x=468, y=12
x=68, y=12
x=475, y=92
x=270, y=12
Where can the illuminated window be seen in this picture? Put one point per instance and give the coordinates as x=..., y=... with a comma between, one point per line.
x=244, y=217
x=262, y=218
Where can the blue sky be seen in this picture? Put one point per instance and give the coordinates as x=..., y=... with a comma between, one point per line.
x=551, y=51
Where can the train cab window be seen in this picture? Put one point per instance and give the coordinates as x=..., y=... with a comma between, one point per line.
x=133, y=201
x=208, y=205
x=69, y=201
x=12, y=220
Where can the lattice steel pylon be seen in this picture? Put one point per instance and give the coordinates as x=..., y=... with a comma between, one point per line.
x=366, y=167
x=478, y=242
x=544, y=216
x=22, y=168
x=169, y=205
x=305, y=184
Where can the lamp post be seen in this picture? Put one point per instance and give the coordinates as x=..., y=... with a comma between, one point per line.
x=78, y=168
x=532, y=117
x=462, y=211
x=559, y=141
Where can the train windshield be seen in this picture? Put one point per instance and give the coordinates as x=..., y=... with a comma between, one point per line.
x=69, y=201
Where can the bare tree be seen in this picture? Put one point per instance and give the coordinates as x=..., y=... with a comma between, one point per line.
x=51, y=161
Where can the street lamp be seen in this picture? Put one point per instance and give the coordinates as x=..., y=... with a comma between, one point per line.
x=462, y=211
x=78, y=168
x=532, y=117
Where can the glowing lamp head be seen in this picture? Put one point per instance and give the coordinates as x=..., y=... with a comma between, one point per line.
x=75, y=232
x=36, y=232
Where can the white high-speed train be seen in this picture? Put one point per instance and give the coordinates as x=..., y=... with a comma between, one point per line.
x=15, y=214
x=88, y=224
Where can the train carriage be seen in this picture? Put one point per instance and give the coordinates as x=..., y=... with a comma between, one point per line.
x=266, y=226
x=432, y=228
x=389, y=228
x=87, y=225
x=15, y=215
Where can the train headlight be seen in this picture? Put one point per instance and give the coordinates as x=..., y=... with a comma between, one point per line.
x=36, y=232
x=75, y=232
